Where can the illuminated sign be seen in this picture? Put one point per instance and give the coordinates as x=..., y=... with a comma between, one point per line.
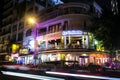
x=72, y=32
x=15, y=47
x=15, y=55
x=29, y=44
x=23, y=51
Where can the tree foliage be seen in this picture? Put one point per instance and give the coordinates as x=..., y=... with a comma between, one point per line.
x=107, y=29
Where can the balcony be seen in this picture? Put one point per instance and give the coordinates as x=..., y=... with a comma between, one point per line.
x=63, y=11
x=57, y=13
x=7, y=23
x=7, y=32
x=66, y=50
x=60, y=47
x=8, y=1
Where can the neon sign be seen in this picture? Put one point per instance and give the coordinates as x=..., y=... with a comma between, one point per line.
x=56, y=2
x=72, y=32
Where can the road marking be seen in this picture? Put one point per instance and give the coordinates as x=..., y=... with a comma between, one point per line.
x=30, y=76
x=80, y=75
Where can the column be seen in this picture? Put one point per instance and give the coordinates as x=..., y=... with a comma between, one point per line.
x=17, y=31
x=25, y=59
x=24, y=35
x=47, y=31
x=87, y=43
x=55, y=44
x=46, y=44
x=83, y=42
x=69, y=39
x=64, y=41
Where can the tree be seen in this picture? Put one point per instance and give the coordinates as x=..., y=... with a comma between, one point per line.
x=107, y=29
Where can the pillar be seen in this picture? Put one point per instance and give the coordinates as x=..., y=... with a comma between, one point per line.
x=69, y=39
x=55, y=44
x=87, y=43
x=83, y=42
x=46, y=44
x=64, y=41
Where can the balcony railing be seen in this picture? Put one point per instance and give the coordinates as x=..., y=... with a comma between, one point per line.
x=7, y=32
x=58, y=12
x=67, y=50
x=61, y=47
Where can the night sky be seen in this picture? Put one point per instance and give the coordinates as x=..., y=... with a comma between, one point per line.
x=0, y=11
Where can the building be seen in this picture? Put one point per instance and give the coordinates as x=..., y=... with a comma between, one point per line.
x=12, y=23
x=62, y=35
x=7, y=17
x=114, y=6
x=62, y=32
x=111, y=6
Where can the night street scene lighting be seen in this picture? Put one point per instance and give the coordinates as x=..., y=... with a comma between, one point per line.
x=33, y=22
x=60, y=39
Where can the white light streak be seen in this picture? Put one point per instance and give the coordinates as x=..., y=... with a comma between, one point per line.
x=83, y=76
x=30, y=76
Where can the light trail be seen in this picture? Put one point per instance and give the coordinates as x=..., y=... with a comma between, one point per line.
x=30, y=76
x=82, y=76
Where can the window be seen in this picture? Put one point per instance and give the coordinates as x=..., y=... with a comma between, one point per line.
x=20, y=36
x=14, y=38
x=42, y=31
x=28, y=33
x=21, y=25
x=65, y=27
x=77, y=10
x=55, y=28
x=14, y=28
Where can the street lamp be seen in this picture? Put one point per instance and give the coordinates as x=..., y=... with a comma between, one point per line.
x=32, y=21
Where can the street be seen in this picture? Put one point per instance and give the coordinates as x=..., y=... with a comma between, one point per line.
x=50, y=75
x=26, y=73
x=8, y=77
